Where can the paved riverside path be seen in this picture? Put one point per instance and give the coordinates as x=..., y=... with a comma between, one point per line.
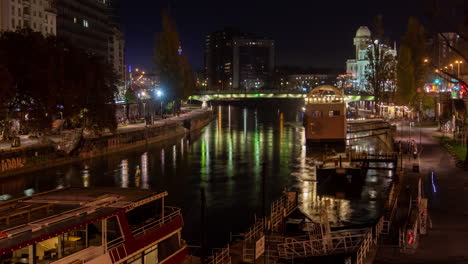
x=26, y=141
x=447, y=240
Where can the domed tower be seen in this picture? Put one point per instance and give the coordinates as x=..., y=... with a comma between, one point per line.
x=362, y=39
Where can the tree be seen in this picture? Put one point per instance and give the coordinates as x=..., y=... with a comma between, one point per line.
x=176, y=76
x=411, y=69
x=130, y=98
x=51, y=77
x=381, y=69
x=449, y=16
x=406, y=88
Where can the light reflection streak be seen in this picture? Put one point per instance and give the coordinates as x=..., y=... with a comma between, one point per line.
x=124, y=175
x=174, y=156
x=182, y=147
x=86, y=176
x=144, y=171
x=229, y=117
x=245, y=123
x=163, y=158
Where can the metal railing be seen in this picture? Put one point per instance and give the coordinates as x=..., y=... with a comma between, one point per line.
x=220, y=257
x=115, y=243
x=278, y=210
x=370, y=240
x=343, y=243
x=173, y=213
x=249, y=91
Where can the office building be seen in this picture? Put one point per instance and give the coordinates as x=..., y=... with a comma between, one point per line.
x=236, y=60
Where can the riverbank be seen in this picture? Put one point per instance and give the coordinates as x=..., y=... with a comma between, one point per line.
x=37, y=156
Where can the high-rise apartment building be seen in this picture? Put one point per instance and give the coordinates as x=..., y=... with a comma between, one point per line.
x=38, y=15
x=235, y=60
x=116, y=52
x=92, y=25
x=85, y=23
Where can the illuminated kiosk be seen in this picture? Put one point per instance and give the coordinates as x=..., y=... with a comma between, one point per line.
x=325, y=116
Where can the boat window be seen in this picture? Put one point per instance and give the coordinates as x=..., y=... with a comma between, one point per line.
x=144, y=215
x=113, y=229
x=47, y=251
x=63, y=245
x=95, y=234
x=168, y=247
x=135, y=260
x=74, y=241
x=316, y=113
x=151, y=255
x=17, y=256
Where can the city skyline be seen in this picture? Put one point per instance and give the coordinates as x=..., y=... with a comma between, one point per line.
x=302, y=39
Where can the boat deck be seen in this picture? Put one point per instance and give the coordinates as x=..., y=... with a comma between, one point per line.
x=36, y=217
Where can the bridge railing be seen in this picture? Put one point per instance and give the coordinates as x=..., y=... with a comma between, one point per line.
x=255, y=91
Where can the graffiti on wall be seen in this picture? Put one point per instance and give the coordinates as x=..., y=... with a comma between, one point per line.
x=12, y=164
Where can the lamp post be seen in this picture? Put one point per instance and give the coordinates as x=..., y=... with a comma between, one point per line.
x=159, y=94
x=459, y=64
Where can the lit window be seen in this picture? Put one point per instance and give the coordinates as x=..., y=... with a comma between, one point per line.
x=75, y=20
x=85, y=23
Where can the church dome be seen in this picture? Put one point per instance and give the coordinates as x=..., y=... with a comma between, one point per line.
x=363, y=32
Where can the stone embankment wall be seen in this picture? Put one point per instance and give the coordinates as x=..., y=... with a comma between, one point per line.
x=92, y=147
x=31, y=158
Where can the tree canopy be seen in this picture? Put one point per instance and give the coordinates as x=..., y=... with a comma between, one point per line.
x=176, y=76
x=381, y=69
x=411, y=69
x=47, y=76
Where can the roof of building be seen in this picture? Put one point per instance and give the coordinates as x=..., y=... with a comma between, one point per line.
x=363, y=31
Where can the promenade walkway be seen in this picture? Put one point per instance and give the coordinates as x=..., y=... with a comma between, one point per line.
x=446, y=241
x=26, y=141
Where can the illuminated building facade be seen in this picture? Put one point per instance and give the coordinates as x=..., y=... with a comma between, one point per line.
x=356, y=68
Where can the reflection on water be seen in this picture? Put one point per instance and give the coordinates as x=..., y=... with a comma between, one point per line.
x=226, y=159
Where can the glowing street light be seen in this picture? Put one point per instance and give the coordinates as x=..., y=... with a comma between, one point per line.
x=458, y=63
x=160, y=94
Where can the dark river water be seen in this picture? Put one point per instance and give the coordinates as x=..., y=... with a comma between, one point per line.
x=226, y=159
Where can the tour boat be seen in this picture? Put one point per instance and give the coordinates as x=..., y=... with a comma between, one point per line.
x=98, y=225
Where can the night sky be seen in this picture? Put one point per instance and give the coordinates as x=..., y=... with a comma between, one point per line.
x=314, y=33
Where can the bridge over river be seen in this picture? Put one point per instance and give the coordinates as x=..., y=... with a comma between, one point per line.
x=233, y=95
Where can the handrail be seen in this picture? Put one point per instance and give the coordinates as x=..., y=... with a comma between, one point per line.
x=220, y=257
x=159, y=222
x=115, y=243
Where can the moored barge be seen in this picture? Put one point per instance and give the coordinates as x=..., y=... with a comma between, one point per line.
x=99, y=225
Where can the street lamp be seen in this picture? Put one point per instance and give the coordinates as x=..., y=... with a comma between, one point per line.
x=459, y=64
x=160, y=94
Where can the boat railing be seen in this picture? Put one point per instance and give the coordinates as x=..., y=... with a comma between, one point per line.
x=115, y=243
x=173, y=212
